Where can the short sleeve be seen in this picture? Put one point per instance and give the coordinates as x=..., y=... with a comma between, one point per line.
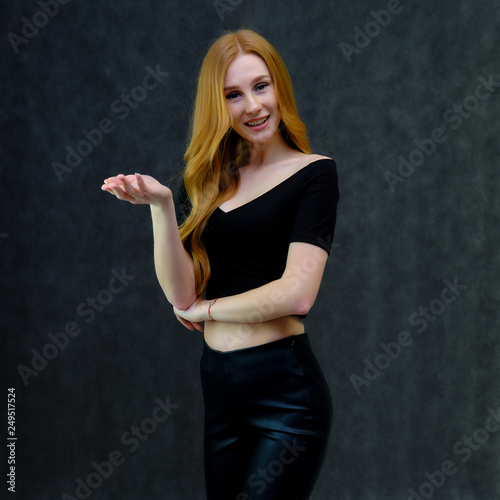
x=317, y=208
x=182, y=204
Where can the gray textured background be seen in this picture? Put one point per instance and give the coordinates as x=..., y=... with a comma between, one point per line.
x=61, y=238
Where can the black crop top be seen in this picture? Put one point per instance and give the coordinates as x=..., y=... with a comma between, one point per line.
x=247, y=247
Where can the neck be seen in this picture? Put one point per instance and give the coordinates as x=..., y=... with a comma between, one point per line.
x=272, y=151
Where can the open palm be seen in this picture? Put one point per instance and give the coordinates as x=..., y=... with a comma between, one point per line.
x=137, y=189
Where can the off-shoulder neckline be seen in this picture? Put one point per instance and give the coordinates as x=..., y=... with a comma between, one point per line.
x=274, y=187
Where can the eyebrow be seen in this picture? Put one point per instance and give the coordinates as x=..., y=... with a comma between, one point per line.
x=260, y=77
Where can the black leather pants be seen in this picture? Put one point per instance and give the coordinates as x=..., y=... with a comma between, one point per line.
x=268, y=415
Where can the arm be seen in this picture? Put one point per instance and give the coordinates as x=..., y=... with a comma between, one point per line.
x=293, y=293
x=296, y=290
x=174, y=266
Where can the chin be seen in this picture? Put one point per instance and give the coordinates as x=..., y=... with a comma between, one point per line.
x=263, y=136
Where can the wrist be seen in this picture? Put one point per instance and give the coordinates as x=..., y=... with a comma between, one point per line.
x=210, y=309
x=163, y=204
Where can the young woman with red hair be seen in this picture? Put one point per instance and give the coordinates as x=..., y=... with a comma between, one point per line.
x=243, y=251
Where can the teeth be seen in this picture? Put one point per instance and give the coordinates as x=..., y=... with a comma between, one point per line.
x=260, y=122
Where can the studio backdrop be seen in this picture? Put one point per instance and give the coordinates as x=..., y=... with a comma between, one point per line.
x=100, y=382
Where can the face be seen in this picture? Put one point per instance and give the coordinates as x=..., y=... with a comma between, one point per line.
x=251, y=99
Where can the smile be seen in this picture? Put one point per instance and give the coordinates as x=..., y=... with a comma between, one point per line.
x=257, y=123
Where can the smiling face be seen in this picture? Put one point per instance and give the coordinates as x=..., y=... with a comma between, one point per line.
x=251, y=99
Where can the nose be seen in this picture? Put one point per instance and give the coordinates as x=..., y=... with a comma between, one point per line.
x=253, y=104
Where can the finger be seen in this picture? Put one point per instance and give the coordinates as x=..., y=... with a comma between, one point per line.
x=112, y=181
x=198, y=326
x=107, y=189
x=127, y=186
x=186, y=323
x=121, y=187
x=115, y=182
x=121, y=194
x=114, y=185
x=141, y=184
x=105, y=186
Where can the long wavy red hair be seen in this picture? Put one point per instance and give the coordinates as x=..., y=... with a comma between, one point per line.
x=215, y=152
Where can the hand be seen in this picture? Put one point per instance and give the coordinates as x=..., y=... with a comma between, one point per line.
x=193, y=315
x=189, y=325
x=138, y=189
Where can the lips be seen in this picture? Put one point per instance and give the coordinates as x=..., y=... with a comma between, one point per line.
x=258, y=122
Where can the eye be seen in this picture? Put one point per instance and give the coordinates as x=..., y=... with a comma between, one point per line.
x=232, y=95
x=261, y=86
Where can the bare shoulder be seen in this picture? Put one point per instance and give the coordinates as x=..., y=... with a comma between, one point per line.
x=311, y=158
x=316, y=157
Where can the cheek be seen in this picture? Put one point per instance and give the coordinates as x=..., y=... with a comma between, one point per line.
x=272, y=104
x=232, y=115
x=234, y=112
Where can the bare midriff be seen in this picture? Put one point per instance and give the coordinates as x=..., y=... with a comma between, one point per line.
x=223, y=336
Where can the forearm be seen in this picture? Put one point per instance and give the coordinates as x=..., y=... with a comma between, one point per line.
x=292, y=294
x=174, y=266
x=276, y=299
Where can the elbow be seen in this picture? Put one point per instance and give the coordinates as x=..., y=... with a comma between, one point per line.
x=180, y=301
x=182, y=304
x=302, y=305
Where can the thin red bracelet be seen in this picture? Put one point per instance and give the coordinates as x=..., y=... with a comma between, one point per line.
x=210, y=305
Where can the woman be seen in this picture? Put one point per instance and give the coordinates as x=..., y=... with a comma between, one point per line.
x=247, y=261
